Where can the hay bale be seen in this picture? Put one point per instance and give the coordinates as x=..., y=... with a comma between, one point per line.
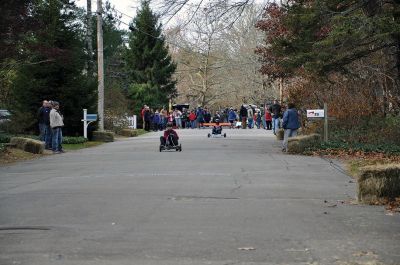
x=279, y=134
x=129, y=132
x=298, y=144
x=103, y=136
x=377, y=182
x=28, y=145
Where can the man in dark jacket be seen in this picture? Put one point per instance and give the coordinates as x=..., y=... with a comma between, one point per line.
x=243, y=116
x=147, y=118
x=276, y=114
x=290, y=124
x=44, y=124
x=43, y=118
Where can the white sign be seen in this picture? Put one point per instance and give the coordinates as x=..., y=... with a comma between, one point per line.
x=315, y=113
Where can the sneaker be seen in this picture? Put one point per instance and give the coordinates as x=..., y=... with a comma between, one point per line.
x=62, y=151
x=56, y=152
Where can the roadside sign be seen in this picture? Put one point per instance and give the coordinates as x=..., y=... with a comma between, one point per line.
x=91, y=117
x=315, y=113
x=87, y=118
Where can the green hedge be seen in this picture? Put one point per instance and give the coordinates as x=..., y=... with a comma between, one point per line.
x=5, y=138
x=380, y=148
x=103, y=136
x=74, y=140
x=2, y=147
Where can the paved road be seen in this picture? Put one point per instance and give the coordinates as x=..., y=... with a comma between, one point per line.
x=125, y=203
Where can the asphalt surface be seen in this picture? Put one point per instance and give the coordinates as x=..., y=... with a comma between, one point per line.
x=221, y=201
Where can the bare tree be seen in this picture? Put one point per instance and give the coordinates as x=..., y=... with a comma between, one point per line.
x=216, y=62
x=227, y=10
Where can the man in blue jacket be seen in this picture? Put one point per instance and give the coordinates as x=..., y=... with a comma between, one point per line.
x=290, y=124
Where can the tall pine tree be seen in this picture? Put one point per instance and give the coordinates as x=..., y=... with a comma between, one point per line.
x=149, y=64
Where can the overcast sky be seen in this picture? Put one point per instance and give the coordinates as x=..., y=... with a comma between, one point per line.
x=127, y=7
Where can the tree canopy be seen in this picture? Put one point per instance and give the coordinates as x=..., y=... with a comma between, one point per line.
x=149, y=64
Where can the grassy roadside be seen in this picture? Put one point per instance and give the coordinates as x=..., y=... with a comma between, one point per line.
x=13, y=155
x=69, y=147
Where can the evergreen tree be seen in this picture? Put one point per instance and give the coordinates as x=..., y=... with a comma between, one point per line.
x=59, y=47
x=149, y=64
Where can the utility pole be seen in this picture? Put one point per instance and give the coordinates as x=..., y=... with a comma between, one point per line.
x=100, y=65
x=326, y=122
x=89, y=33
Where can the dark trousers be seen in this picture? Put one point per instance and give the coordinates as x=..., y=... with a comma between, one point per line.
x=147, y=125
x=48, y=138
x=269, y=125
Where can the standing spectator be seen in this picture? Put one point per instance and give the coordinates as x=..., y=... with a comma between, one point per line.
x=43, y=117
x=257, y=117
x=223, y=116
x=178, y=118
x=268, y=119
x=217, y=116
x=156, y=121
x=250, y=116
x=56, y=124
x=207, y=115
x=264, y=123
x=200, y=117
x=192, y=118
x=243, y=116
x=276, y=114
x=171, y=118
x=232, y=117
x=142, y=115
x=290, y=124
x=147, y=118
x=184, y=118
x=163, y=118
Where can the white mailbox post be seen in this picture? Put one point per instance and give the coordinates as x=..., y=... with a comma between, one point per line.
x=87, y=119
x=320, y=114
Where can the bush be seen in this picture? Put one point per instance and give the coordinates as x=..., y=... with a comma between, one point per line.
x=103, y=136
x=300, y=144
x=3, y=147
x=379, y=148
x=74, y=140
x=376, y=182
x=5, y=138
x=129, y=132
x=28, y=145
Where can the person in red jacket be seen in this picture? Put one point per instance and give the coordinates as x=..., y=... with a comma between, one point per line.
x=192, y=119
x=169, y=134
x=268, y=119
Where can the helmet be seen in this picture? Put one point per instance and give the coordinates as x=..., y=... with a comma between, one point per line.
x=169, y=125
